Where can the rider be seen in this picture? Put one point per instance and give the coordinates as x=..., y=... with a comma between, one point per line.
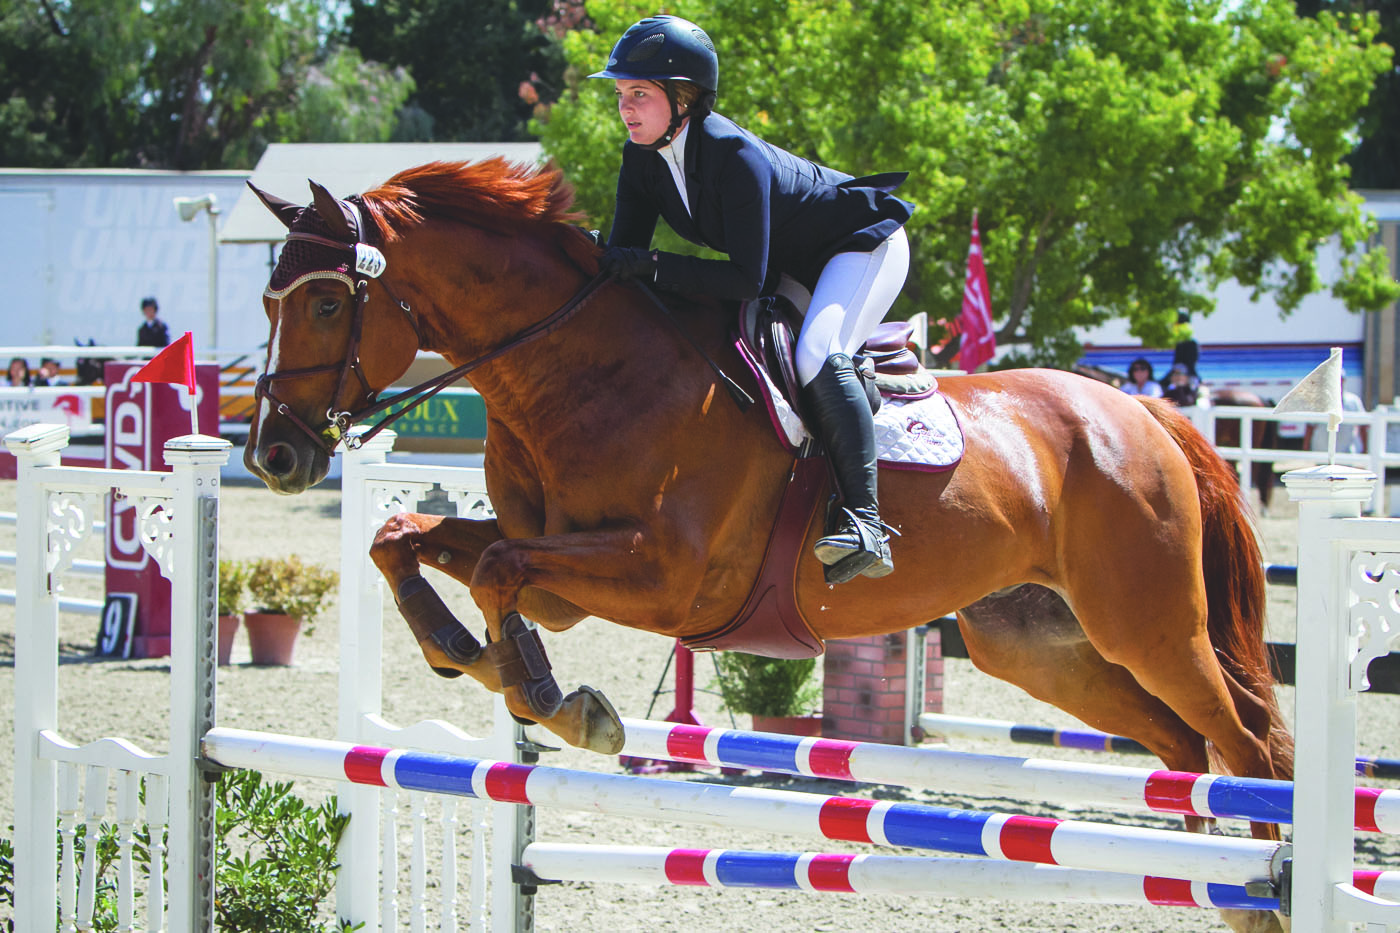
x=832, y=243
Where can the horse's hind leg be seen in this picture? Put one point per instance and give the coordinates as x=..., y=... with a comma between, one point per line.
x=1030, y=638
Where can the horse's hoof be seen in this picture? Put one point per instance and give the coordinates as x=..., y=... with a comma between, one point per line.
x=600, y=728
x=1255, y=921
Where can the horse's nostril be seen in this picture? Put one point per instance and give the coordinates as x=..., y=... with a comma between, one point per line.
x=281, y=459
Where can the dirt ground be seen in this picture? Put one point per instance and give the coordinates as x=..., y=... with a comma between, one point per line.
x=128, y=698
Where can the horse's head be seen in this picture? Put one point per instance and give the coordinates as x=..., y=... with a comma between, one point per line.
x=338, y=336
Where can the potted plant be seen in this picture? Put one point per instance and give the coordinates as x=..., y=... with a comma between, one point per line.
x=286, y=595
x=233, y=592
x=780, y=694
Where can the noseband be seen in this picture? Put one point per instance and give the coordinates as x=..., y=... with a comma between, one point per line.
x=370, y=263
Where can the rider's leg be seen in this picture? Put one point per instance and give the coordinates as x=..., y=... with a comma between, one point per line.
x=851, y=298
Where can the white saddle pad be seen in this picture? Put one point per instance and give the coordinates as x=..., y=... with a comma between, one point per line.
x=918, y=434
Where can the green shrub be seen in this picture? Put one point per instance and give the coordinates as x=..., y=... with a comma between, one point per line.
x=767, y=686
x=280, y=877
x=286, y=867
x=233, y=586
x=289, y=586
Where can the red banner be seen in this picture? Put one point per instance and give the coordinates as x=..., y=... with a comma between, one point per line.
x=979, y=342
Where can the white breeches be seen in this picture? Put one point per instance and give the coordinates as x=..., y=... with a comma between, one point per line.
x=852, y=296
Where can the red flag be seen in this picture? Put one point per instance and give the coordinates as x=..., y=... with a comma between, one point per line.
x=174, y=364
x=979, y=343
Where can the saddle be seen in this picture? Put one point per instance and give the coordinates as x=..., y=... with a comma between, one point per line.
x=771, y=622
x=886, y=363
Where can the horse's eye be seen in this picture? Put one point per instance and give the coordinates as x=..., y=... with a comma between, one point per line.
x=327, y=307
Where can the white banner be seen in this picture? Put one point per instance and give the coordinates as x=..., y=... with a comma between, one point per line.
x=51, y=405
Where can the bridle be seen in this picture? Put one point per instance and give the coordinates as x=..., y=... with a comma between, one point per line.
x=369, y=263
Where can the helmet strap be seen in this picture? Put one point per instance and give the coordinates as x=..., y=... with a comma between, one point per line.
x=664, y=140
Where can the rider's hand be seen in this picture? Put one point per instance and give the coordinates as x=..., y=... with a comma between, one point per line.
x=629, y=262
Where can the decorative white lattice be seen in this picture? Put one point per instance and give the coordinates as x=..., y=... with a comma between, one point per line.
x=155, y=517
x=68, y=520
x=470, y=503
x=387, y=499
x=1375, y=613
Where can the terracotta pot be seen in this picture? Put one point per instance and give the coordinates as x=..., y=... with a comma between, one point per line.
x=271, y=637
x=789, y=725
x=228, y=629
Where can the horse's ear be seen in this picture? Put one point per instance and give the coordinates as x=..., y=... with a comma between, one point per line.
x=284, y=211
x=332, y=212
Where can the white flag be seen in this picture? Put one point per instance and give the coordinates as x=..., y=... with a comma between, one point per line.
x=1319, y=392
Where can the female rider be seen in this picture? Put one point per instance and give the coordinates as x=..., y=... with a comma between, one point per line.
x=832, y=243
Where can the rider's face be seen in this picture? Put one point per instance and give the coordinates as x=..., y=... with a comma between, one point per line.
x=644, y=110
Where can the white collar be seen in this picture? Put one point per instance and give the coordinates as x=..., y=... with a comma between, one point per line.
x=674, y=154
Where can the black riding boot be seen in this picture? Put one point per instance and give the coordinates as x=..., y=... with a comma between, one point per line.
x=839, y=414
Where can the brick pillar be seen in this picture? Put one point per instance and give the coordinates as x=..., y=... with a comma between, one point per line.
x=933, y=671
x=863, y=694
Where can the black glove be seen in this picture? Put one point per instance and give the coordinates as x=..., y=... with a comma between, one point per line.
x=628, y=262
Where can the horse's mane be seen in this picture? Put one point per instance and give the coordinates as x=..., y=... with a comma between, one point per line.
x=492, y=193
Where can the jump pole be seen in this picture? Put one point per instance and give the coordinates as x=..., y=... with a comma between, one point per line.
x=1207, y=795
x=1077, y=844
x=917, y=876
x=1089, y=740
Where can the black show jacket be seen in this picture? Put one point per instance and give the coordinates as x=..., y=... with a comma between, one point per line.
x=769, y=210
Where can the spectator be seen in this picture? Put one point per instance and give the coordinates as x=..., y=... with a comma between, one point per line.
x=152, y=332
x=48, y=373
x=1140, y=381
x=1179, y=387
x=19, y=372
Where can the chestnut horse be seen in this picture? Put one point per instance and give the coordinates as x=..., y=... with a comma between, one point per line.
x=1093, y=545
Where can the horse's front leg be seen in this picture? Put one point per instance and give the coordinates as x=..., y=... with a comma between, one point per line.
x=452, y=545
x=620, y=573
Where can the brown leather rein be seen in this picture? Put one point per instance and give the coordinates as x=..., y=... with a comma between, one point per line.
x=370, y=263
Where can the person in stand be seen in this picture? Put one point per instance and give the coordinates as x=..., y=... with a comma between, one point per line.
x=1187, y=353
x=833, y=244
x=1179, y=386
x=1140, y=381
x=48, y=373
x=19, y=372
x=152, y=332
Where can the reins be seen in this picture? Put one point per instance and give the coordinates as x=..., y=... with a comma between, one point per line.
x=370, y=263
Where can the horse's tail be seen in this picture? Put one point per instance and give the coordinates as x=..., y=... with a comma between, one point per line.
x=1234, y=576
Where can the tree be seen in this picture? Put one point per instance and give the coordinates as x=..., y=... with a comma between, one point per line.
x=1375, y=162
x=1124, y=158
x=468, y=59
x=184, y=84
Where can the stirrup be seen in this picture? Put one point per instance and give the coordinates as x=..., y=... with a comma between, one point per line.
x=856, y=549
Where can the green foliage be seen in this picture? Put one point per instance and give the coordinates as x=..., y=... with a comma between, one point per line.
x=274, y=860
x=290, y=586
x=233, y=586
x=7, y=880
x=276, y=856
x=1375, y=162
x=1124, y=158
x=183, y=84
x=471, y=60
x=767, y=686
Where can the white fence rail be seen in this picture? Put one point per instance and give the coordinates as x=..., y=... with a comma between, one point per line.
x=1348, y=581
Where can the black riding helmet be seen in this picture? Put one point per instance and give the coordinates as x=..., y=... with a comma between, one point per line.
x=664, y=49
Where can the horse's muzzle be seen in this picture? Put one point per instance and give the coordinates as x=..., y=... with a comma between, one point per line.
x=284, y=467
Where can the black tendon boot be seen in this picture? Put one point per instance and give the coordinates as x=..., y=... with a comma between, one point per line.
x=856, y=541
